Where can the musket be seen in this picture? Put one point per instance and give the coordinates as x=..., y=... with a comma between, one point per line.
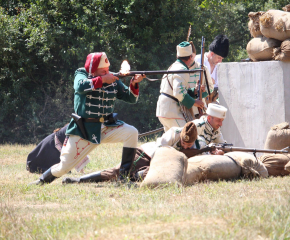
x=151, y=132
x=228, y=148
x=199, y=93
x=157, y=72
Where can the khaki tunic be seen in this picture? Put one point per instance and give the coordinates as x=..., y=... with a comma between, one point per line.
x=180, y=83
x=167, y=107
x=205, y=131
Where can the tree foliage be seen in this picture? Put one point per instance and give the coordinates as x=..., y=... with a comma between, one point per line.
x=43, y=42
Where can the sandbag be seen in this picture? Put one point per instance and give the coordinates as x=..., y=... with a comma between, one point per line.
x=278, y=137
x=168, y=166
x=282, y=53
x=287, y=167
x=261, y=48
x=275, y=24
x=211, y=167
x=286, y=8
x=251, y=167
x=275, y=164
x=254, y=24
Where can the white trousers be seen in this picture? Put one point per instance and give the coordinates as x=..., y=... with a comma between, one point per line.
x=76, y=148
x=171, y=122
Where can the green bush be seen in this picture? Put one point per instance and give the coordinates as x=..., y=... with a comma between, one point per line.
x=43, y=42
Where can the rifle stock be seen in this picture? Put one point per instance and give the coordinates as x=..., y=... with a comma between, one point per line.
x=193, y=152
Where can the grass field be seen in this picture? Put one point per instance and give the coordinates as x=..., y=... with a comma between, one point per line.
x=243, y=209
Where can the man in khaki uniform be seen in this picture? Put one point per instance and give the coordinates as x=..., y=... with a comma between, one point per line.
x=178, y=89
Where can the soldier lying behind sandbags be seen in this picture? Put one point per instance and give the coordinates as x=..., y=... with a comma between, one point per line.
x=178, y=138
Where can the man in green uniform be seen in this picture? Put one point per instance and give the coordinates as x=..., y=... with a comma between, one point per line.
x=96, y=91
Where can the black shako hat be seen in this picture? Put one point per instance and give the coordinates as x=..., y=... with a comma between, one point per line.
x=220, y=45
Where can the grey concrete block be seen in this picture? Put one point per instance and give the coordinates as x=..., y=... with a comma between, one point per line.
x=257, y=95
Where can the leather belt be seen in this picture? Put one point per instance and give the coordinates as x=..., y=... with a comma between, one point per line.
x=95, y=120
x=112, y=117
x=167, y=95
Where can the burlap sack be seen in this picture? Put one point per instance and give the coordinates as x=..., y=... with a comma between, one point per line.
x=278, y=137
x=282, y=53
x=251, y=167
x=275, y=24
x=261, y=48
x=168, y=166
x=254, y=24
x=286, y=8
x=275, y=164
x=287, y=167
x=211, y=167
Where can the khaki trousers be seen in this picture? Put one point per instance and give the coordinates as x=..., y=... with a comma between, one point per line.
x=171, y=122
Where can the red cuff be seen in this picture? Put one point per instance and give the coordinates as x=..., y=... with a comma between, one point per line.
x=97, y=82
x=135, y=89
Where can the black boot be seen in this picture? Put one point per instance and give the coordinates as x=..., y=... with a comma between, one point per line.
x=128, y=156
x=46, y=177
x=92, y=177
x=139, y=176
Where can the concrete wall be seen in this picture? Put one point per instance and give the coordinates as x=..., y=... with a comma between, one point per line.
x=257, y=95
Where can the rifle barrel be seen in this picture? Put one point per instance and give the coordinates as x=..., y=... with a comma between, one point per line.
x=151, y=132
x=231, y=149
x=132, y=73
x=199, y=93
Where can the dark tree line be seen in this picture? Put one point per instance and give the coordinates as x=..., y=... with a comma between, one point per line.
x=43, y=42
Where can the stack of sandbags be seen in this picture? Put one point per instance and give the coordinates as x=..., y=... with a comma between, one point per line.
x=211, y=167
x=275, y=164
x=278, y=137
x=251, y=167
x=168, y=166
x=273, y=30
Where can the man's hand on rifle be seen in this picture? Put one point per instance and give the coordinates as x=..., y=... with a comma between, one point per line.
x=137, y=78
x=202, y=87
x=109, y=78
x=217, y=152
x=198, y=103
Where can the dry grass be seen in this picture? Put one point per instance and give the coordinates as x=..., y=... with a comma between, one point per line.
x=243, y=209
